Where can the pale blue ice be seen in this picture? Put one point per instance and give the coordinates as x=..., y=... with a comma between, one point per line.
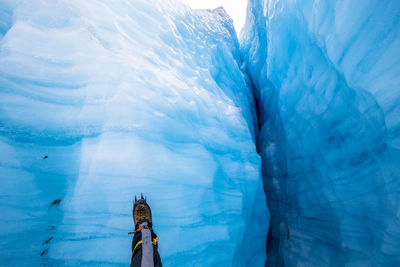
x=101, y=100
x=126, y=97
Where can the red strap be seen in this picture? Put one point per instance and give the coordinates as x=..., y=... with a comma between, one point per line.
x=131, y=233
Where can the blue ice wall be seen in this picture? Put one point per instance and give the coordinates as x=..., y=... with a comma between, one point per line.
x=101, y=100
x=327, y=76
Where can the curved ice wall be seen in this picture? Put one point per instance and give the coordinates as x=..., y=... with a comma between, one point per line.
x=100, y=100
x=327, y=76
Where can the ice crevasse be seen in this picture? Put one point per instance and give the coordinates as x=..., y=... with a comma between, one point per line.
x=101, y=100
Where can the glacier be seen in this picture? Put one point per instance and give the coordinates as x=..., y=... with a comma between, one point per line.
x=326, y=76
x=102, y=100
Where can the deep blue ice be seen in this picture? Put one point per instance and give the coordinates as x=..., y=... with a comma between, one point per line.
x=327, y=76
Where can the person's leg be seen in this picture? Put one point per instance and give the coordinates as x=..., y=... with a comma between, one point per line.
x=145, y=248
x=145, y=241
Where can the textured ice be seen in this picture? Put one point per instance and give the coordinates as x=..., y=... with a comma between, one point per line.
x=327, y=76
x=101, y=100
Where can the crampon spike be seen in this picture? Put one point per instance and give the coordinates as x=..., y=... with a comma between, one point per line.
x=135, y=198
x=141, y=195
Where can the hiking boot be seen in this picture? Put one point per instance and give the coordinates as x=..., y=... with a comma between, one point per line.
x=141, y=212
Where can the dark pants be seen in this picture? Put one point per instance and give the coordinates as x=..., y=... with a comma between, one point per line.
x=137, y=252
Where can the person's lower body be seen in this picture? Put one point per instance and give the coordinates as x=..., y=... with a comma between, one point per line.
x=145, y=241
x=137, y=257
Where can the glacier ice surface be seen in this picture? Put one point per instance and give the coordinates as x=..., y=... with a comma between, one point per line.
x=327, y=76
x=101, y=100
